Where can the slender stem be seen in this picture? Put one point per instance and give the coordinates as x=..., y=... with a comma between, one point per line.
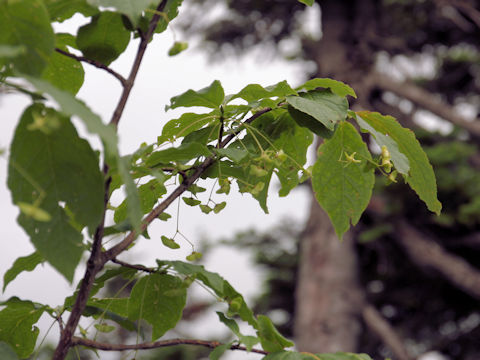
x=117, y=114
x=157, y=344
x=94, y=265
x=132, y=266
x=95, y=63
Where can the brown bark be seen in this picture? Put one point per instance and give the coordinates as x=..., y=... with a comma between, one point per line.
x=428, y=254
x=328, y=296
x=380, y=327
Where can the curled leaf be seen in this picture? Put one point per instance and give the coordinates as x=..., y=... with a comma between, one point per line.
x=170, y=243
x=205, y=209
x=191, y=201
x=219, y=207
x=177, y=48
x=194, y=256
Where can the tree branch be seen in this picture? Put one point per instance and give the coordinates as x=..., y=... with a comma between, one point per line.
x=131, y=266
x=157, y=344
x=95, y=63
x=96, y=260
x=117, y=114
x=128, y=240
x=427, y=101
x=428, y=253
x=377, y=323
x=94, y=265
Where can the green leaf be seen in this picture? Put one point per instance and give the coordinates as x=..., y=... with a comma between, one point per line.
x=400, y=161
x=148, y=193
x=249, y=341
x=195, y=189
x=115, y=309
x=219, y=351
x=420, y=177
x=164, y=216
x=117, y=305
x=11, y=51
x=256, y=186
x=183, y=153
x=125, y=273
x=61, y=10
x=294, y=142
x=16, y=325
x=72, y=106
x=132, y=8
x=343, y=188
x=186, y=124
x=66, y=39
x=206, y=209
x=309, y=122
x=194, y=256
x=323, y=105
x=337, y=87
x=104, y=328
x=148, y=301
x=307, y=2
x=49, y=167
x=204, y=135
x=270, y=338
x=62, y=71
x=290, y=355
x=191, y=201
x=104, y=38
x=177, y=48
x=343, y=356
x=170, y=12
x=211, y=97
x=7, y=352
x=170, y=243
x=24, y=263
x=34, y=212
x=234, y=154
x=219, y=207
x=26, y=23
x=254, y=92
x=220, y=286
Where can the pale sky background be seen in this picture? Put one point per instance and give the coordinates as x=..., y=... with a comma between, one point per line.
x=159, y=79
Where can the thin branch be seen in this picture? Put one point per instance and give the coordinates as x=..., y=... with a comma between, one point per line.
x=128, y=240
x=467, y=9
x=94, y=265
x=427, y=101
x=131, y=266
x=428, y=253
x=96, y=260
x=95, y=63
x=157, y=344
x=377, y=323
x=117, y=114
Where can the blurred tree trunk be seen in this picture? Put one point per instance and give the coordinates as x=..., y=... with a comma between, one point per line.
x=329, y=295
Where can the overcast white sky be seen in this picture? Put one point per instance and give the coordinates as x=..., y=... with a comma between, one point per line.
x=159, y=79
